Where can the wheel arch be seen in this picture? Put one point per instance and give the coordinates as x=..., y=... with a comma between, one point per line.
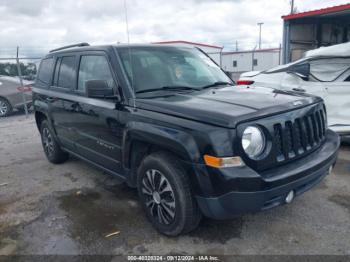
x=39, y=118
x=139, y=143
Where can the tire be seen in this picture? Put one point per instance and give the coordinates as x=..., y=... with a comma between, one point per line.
x=5, y=107
x=52, y=150
x=168, y=201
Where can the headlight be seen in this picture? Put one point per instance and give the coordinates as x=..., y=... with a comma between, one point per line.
x=253, y=141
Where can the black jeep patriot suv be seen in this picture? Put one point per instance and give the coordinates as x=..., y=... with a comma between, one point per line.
x=168, y=121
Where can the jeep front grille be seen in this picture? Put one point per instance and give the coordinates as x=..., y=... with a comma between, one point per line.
x=294, y=138
x=290, y=136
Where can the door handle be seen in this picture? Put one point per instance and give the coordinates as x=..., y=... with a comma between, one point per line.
x=299, y=89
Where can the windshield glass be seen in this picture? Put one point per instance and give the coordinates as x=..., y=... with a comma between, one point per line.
x=153, y=68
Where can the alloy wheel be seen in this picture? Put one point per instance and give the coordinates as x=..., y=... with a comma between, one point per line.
x=159, y=195
x=3, y=108
x=48, y=141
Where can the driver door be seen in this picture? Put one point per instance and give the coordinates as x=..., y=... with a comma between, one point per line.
x=99, y=133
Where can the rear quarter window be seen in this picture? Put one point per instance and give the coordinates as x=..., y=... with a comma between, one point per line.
x=45, y=72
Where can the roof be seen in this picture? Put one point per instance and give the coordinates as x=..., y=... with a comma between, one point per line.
x=319, y=12
x=267, y=50
x=341, y=50
x=104, y=48
x=189, y=43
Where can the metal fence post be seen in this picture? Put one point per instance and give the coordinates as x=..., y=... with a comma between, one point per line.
x=21, y=81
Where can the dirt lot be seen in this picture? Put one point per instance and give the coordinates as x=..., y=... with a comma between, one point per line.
x=69, y=208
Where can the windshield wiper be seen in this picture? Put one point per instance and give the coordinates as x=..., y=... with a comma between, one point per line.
x=219, y=83
x=167, y=88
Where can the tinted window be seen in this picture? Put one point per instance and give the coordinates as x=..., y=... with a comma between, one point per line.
x=66, y=72
x=45, y=70
x=93, y=67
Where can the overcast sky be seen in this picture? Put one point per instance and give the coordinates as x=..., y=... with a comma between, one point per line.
x=39, y=25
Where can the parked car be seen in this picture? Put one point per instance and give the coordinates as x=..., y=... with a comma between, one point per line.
x=167, y=121
x=324, y=72
x=11, y=95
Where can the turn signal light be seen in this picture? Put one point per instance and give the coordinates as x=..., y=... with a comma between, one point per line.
x=221, y=162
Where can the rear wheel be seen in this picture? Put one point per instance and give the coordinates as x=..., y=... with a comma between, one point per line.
x=166, y=196
x=5, y=107
x=52, y=150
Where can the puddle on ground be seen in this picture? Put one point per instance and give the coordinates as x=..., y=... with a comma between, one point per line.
x=341, y=200
x=93, y=214
x=220, y=231
x=70, y=176
x=87, y=214
x=122, y=191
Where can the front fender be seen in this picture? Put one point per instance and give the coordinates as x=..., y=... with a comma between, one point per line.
x=174, y=140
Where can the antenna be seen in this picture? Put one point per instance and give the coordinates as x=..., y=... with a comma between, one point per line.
x=130, y=57
x=126, y=21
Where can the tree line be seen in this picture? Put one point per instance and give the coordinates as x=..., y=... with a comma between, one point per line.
x=10, y=69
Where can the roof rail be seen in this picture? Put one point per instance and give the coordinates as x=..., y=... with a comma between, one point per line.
x=69, y=46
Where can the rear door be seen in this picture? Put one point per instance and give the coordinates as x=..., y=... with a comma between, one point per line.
x=61, y=98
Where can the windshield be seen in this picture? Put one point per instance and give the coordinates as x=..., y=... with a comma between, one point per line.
x=160, y=68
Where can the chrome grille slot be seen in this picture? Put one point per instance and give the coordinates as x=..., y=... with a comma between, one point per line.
x=278, y=142
x=295, y=137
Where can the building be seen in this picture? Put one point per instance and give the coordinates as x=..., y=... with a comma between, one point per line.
x=313, y=29
x=212, y=50
x=236, y=63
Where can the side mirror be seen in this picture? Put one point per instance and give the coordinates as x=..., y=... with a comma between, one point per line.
x=301, y=70
x=98, y=89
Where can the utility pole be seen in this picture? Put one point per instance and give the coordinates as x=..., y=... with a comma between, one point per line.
x=21, y=82
x=236, y=45
x=279, y=54
x=260, y=24
x=291, y=6
x=253, y=52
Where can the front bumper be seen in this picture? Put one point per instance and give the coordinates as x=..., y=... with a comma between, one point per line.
x=299, y=176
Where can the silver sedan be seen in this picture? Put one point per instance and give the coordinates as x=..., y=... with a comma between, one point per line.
x=11, y=95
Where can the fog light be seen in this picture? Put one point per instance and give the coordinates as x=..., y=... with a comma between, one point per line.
x=290, y=197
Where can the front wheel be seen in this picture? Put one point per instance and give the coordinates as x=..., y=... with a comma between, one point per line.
x=166, y=196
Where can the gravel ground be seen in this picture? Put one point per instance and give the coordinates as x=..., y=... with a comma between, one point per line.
x=70, y=208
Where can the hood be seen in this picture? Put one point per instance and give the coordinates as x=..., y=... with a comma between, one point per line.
x=226, y=107
x=250, y=73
